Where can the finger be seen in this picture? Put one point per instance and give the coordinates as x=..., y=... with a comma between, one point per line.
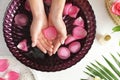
x=56, y=46
x=34, y=40
x=50, y=53
x=34, y=37
x=39, y=45
x=34, y=31
x=47, y=47
x=48, y=43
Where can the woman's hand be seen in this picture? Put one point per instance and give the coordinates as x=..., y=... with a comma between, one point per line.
x=38, y=38
x=38, y=24
x=55, y=19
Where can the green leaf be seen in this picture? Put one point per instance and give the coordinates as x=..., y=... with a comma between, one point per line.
x=116, y=60
x=107, y=71
x=116, y=28
x=95, y=72
x=112, y=67
x=119, y=43
x=89, y=74
x=102, y=72
x=119, y=54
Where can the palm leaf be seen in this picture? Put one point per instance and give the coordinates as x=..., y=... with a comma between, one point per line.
x=90, y=74
x=104, y=72
x=119, y=43
x=107, y=71
x=116, y=60
x=94, y=71
x=119, y=54
x=112, y=66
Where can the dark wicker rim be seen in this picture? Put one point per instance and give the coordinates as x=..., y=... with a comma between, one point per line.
x=91, y=22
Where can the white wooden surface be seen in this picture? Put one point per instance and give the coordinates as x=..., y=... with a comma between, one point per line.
x=104, y=26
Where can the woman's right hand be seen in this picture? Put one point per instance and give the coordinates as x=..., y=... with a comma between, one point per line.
x=37, y=36
x=38, y=24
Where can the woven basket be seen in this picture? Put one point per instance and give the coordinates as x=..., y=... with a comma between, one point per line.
x=34, y=58
x=115, y=18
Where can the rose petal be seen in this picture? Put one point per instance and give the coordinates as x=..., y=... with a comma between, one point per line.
x=23, y=45
x=50, y=33
x=63, y=53
x=21, y=19
x=73, y=11
x=3, y=65
x=79, y=22
x=79, y=33
x=48, y=2
x=69, y=39
x=74, y=47
x=66, y=8
x=27, y=5
x=12, y=75
x=2, y=79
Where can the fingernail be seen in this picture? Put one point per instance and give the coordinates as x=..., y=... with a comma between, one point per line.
x=45, y=52
x=50, y=54
x=52, y=46
x=62, y=42
x=33, y=44
x=54, y=52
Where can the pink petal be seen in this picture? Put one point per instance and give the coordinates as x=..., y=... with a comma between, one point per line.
x=12, y=75
x=50, y=33
x=116, y=8
x=79, y=22
x=79, y=33
x=23, y=45
x=48, y=2
x=69, y=39
x=2, y=79
x=21, y=19
x=74, y=47
x=27, y=5
x=73, y=11
x=3, y=65
x=63, y=53
x=66, y=8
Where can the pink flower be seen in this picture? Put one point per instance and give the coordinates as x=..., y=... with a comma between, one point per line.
x=116, y=7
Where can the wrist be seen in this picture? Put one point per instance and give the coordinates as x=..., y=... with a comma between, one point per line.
x=57, y=7
x=55, y=15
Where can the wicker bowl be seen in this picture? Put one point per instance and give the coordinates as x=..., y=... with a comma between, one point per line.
x=34, y=58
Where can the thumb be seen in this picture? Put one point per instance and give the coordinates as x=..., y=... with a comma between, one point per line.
x=34, y=40
x=34, y=37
